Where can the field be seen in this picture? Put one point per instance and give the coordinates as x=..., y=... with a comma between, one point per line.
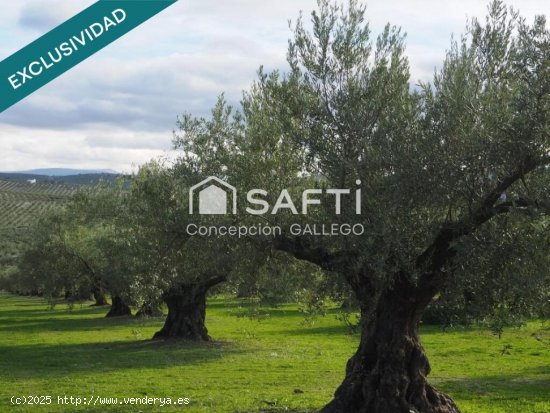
x=21, y=204
x=276, y=364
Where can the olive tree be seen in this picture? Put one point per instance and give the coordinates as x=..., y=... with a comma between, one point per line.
x=468, y=153
x=81, y=250
x=174, y=267
x=440, y=167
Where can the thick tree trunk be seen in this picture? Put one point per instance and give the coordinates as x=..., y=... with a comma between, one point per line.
x=186, y=314
x=388, y=372
x=187, y=311
x=99, y=296
x=119, y=308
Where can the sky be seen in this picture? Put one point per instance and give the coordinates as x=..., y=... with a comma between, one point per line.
x=118, y=109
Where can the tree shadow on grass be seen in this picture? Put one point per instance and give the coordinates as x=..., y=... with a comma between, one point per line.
x=278, y=410
x=55, y=323
x=12, y=306
x=26, y=313
x=79, y=318
x=525, y=385
x=39, y=361
x=340, y=330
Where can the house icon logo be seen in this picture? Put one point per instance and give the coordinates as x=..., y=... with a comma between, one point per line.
x=213, y=197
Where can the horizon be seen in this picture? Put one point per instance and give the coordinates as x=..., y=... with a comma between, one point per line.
x=74, y=171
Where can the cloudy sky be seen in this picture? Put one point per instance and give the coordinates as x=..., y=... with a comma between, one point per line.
x=118, y=109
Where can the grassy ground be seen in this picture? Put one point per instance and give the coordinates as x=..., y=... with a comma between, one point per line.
x=273, y=365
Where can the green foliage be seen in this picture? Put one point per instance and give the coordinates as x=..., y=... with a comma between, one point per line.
x=313, y=306
x=7, y=274
x=503, y=317
x=454, y=176
x=74, y=250
x=350, y=319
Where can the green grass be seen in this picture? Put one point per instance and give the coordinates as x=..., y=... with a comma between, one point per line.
x=276, y=364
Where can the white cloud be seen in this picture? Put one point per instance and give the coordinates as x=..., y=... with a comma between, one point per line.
x=86, y=148
x=42, y=16
x=118, y=108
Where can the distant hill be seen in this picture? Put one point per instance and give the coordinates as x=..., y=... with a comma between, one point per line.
x=77, y=179
x=66, y=172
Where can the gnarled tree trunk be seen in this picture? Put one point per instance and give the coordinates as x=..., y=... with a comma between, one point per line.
x=187, y=311
x=119, y=308
x=388, y=372
x=99, y=296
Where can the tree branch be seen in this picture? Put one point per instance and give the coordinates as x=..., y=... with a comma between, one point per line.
x=214, y=281
x=439, y=252
x=300, y=250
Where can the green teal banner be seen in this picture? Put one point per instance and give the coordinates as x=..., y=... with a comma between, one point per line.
x=70, y=43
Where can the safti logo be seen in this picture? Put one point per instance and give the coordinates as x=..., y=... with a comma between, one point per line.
x=213, y=197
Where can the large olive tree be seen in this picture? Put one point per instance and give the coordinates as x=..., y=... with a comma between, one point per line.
x=447, y=171
x=465, y=154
